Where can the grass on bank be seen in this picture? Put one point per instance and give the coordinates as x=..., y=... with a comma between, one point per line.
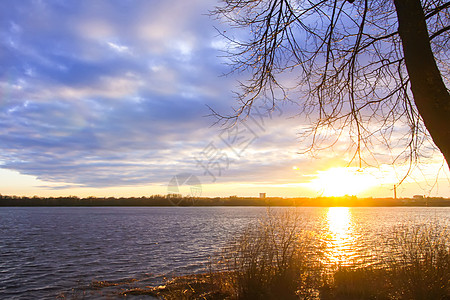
x=418, y=267
x=270, y=259
x=275, y=258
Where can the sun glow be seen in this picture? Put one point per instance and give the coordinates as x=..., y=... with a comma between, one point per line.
x=342, y=181
x=340, y=240
x=339, y=220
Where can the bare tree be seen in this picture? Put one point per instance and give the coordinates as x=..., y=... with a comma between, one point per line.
x=365, y=67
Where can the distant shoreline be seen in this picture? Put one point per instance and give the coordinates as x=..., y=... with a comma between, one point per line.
x=170, y=200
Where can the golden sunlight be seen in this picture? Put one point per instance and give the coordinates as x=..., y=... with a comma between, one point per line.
x=342, y=181
x=340, y=236
x=338, y=220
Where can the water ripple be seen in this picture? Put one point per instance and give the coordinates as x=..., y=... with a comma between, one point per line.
x=48, y=250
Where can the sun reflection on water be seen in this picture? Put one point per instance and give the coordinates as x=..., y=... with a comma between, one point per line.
x=340, y=239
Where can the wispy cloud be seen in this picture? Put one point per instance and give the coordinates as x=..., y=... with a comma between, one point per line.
x=114, y=93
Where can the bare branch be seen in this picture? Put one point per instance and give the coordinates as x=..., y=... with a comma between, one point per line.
x=348, y=56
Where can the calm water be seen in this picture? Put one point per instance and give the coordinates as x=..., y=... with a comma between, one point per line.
x=46, y=251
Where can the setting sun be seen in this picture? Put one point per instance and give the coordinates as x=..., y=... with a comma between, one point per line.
x=342, y=181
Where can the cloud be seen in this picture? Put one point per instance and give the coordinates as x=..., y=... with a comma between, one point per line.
x=114, y=93
x=104, y=93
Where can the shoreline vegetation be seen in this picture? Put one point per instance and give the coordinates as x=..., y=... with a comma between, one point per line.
x=178, y=200
x=276, y=258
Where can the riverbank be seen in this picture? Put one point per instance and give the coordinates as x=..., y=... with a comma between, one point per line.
x=52, y=250
x=275, y=258
x=175, y=200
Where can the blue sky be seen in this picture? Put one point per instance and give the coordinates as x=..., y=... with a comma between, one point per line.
x=109, y=98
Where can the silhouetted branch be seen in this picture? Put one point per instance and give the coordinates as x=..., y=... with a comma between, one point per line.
x=352, y=76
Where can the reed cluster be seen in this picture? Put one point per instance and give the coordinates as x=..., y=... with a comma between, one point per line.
x=275, y=258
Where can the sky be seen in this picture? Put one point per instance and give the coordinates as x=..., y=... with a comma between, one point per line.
x=110, y=98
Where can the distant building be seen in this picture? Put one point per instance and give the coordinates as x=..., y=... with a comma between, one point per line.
x=262, y=195
x=418, y=197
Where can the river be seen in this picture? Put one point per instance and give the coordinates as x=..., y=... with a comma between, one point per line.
x=48, y=251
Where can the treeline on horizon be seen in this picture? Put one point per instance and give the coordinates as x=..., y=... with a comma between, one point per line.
x=178, y=200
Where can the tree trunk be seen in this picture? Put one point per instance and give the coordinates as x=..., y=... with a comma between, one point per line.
x=430, y=94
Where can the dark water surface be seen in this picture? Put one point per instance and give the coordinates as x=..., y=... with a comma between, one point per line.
x=46, y=251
